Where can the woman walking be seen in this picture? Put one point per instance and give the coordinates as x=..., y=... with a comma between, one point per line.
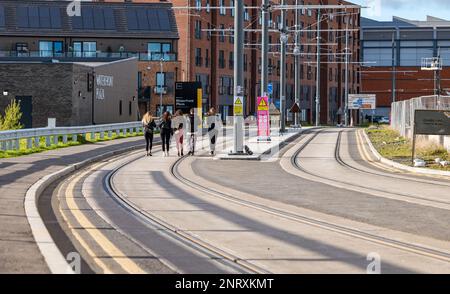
x=213, y=129
x=148, y=122
x=178, y=123
x=193, y=121
x=166, y=132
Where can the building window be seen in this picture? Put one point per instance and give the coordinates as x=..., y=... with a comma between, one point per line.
x=206, y=58
x=198, y=56
x=130, y=108
x=221, y=59
x=22, y=49
x=157, y=51
x=222, y=33
x=198, y=29
x=231, y=60
x=232, y=5
x=85, y=49
x=50, y=48
x=208, y=9
x=160, y=82
x=246, y=14
x=198, y=4
x=120, y=107
x=208, y=33
x=222, y=10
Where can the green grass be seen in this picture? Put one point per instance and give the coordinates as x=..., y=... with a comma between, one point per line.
x=23, y=150
x=391, y=145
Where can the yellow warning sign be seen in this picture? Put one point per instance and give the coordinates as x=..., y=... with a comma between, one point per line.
x=238, y=108
x=263, y=105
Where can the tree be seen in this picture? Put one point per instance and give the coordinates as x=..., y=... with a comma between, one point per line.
x=11, y=119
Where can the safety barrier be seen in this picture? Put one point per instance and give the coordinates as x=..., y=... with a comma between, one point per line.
x=10, y=140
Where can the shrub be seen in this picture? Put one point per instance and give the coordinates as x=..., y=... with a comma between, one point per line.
x=11, y=119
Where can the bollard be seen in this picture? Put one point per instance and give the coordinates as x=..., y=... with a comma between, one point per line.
x=29, y=143
x=124, y=132
x=117, y=133
x=37, y=142
x=48, y=143
x=55, y=140
x=74, y=137
x=102, y=135
x=110, y=134
x=64, y=139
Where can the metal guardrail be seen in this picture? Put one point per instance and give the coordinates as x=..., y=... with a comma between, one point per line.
x=10, y=140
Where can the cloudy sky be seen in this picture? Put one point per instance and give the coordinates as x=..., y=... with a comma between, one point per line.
x=412, y=9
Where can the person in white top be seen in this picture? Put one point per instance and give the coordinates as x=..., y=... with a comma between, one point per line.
x=179, y=123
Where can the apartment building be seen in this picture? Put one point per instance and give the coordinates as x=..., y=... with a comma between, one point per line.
x=393, y=53
x=207, y=56
x=42, y=30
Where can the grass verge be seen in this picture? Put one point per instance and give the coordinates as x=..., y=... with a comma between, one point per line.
x=23, y=150
x=391, y=145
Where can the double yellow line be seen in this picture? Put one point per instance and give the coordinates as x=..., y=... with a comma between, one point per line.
x=102, y=241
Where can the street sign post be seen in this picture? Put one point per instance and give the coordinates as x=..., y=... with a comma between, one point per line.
x=430, y=122
x=270, y=88
x=263, y=119
x=188, y=95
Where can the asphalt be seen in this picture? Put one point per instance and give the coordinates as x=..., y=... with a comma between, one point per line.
x=18, y=251
x=272, y=182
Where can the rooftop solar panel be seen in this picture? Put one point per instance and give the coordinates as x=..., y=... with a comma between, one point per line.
x=44, y=17
x=88, y=19
x=164, y=20
x=142, y=20
x=99, y=19
x=55, y=17
x=153, y=19
x=2, y=16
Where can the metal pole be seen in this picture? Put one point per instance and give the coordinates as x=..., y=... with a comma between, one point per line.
x=265, y=47
x=318, y=70
x=394, y=69
x=296, y=68
x=238, y=73
x=346, y=75
x=283, y=39
x=161, y=89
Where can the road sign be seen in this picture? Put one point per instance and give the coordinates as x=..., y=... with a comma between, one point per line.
x=188, y=95
x=270, y=88
x=238, y=105
x=295, y=108
x=362, y=101
x=263, y=119
x=432, y=122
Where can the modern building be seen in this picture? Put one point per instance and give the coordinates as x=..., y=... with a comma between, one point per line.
x=206, y=53
x=74, y=93
x=39, y=31
x=393, y=52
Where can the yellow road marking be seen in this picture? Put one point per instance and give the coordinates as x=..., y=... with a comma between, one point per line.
x=111, y=250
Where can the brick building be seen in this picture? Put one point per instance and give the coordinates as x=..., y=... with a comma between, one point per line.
x=207, y=56
x=393, y=52
x=42, y=30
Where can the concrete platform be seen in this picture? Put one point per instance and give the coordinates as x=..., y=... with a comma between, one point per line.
x=263, y=149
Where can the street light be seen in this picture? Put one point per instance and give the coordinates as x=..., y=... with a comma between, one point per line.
x=5, y=92
x=161, y=87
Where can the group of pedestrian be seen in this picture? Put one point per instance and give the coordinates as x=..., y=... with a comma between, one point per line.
x=175, y=126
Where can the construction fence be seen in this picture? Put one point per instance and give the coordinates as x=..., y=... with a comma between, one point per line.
x=402, y=115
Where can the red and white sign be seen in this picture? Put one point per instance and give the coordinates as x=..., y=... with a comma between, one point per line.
x=263, y=118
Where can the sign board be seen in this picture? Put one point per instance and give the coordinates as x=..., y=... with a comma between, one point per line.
x=188, y=95
x=263, y=118
x=362, y=101
x=238, y=105
x=270, y=88
x=295, y=108
x=432, y=122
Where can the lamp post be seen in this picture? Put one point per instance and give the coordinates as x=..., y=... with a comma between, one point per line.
x=296, y=68
x=161, y=87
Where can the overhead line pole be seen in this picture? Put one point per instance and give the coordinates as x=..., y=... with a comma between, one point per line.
x=283, y=39
x=346, y=77
x=318, y=70
x=297, y=68
x=239, y=74
x=265, y=47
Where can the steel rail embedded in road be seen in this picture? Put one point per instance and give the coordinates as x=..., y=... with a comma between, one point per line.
x=416, y=249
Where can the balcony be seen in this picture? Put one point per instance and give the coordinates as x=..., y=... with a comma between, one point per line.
x=92, y=55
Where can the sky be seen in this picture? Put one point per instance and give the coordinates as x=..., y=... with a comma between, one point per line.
x=410, y=9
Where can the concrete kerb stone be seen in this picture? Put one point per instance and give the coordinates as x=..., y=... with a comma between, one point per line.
x=55, y=260
x=400, y=166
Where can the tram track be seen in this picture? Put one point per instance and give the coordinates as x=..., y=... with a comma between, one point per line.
x=404, y=246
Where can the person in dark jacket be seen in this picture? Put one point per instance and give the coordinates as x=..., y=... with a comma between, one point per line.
x=148, y=122
x=166, y=132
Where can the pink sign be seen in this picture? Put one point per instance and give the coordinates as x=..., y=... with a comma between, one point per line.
x=263, y=118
